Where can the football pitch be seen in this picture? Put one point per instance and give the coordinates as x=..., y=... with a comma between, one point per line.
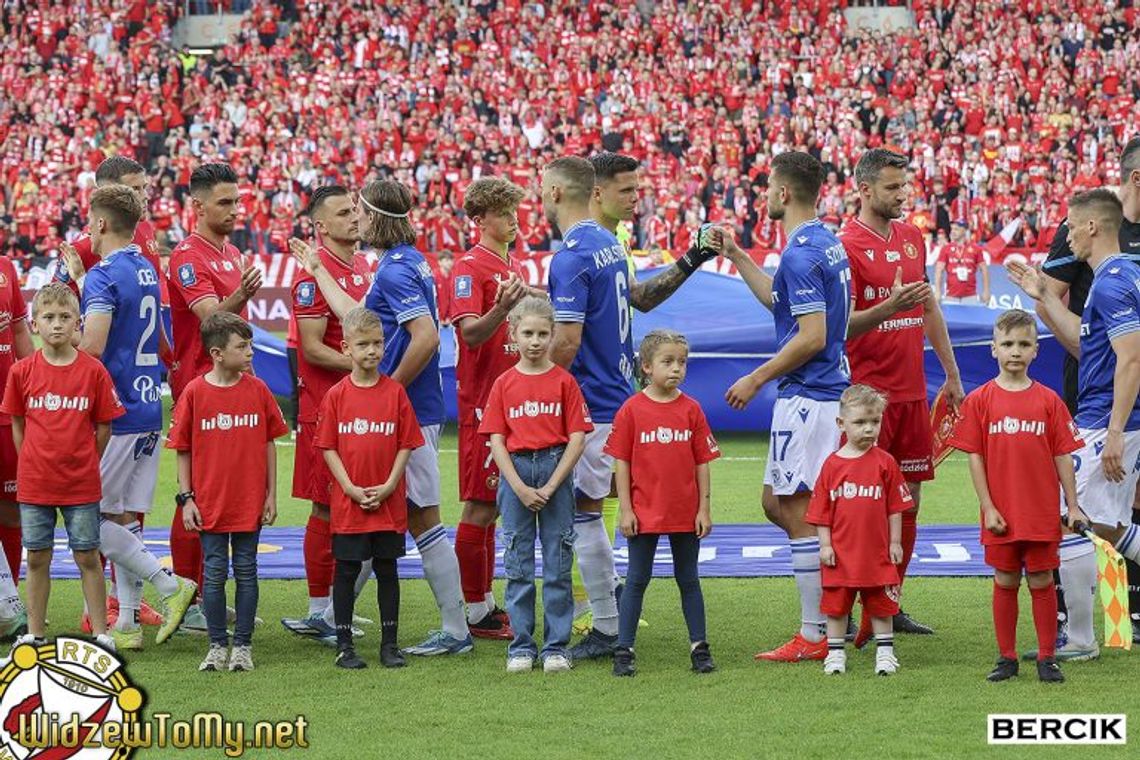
x=468, y=706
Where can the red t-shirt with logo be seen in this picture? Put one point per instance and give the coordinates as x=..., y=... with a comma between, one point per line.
x=888, y=358
x=13, y=310
x=1018, y=433
x=144, y=239
x=226, y=430
x=663, y=441
x=855, y=497
x=354, y=277
x=367, y=427
x=58, y=463
x=475, y=280
x=961, y=262
x=198, y=269
x=535, y=412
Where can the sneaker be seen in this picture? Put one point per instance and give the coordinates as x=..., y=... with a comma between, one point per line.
x=1068, y=653
x=835, y=662
x=624, y=662
x=439, y=642
x=104, y=640
x=216, y=657
x=231, y=618
x=595, y=646
x=1003, y=670
x=193, y=622
x=130, y=640
x=490, y=627
x=181, y=612
x=14, y=627
x=886, y=664
x=796, y=650
x=501, y=615
x=702, y=659
x=359, y=621
x=556, y=663
x=583, y=623
x=112, y=618
x=241, y=659
x=315, y=627
x=904, y=623
x=520, y=663
x=149, y=615
x=1049, y=672
x=391, y=656
x=348, y=659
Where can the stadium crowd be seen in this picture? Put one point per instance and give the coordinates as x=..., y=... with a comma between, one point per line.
x=1004, y=108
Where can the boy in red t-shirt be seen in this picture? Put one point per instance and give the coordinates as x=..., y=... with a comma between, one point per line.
x=857, y=508
x=537, y=419
x=62, y=402
x=662, y=444
x=366, y=428
x=1013, y=424
x=223, y=428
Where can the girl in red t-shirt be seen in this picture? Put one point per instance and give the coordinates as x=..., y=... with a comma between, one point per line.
x=662, y=445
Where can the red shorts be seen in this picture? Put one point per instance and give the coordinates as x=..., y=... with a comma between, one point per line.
x=1034, y=556
x=878, y=601
x=311, y=477
x=906, y=435
x=478, y=475
x=7, y=464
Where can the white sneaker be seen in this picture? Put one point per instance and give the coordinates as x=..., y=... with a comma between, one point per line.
x=836, y=662
x=104, y=640
x=215, y=659
x=886, y=664
x=241, y=659
x=556, y=663
x=520, y=664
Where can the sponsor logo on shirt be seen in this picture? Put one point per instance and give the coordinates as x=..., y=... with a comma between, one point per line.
x=463, y=286
x=712, y=444
x=223, y=421
x=148, y=392
x=1121, y=313
x=534, y=409
x=870, y=253
x=849, y=490
x=1012, y=426
x=903, y=323
x=361, y=426
x=186, y=275
x=51, y=402
x=893, y=256
x=912, y=465
x=306, y=293
x=666, y=435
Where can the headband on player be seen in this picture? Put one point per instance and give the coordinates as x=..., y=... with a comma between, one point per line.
x=380, y=210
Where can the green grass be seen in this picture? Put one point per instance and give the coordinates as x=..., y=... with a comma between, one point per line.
x=449, y=708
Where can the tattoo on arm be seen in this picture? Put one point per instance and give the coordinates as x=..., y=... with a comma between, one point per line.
x=646, y=296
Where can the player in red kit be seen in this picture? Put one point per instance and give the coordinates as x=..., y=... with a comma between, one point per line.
x=885, y=340
x=960, y=262
x=207, y=275
x=486, y=285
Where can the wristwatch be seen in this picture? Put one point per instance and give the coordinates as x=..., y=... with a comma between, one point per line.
x=181, y=498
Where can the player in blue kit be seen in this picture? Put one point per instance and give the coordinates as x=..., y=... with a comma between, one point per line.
x=810, y=300
x=589, y=286
x=1108, y=382
x=123, y=328
x=403, y=295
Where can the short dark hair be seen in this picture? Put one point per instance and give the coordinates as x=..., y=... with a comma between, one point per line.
x=1102, y=202
x=1130, y=157
x=608, y=165
x=217, y=328
x=577, y=175
x=120, y=205
x=207, y=176
x=872, y=163
x=114, y=168
x=322, y=194
x=1012, y=319
x=802, y=172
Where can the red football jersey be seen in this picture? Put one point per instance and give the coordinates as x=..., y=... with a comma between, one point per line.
x=354, y=277
x=961, y=262
x=1018, y=433
x=855, y=498
x=226, y=430
x=13, y=309
x=663, y=443
x=144, y=239
x=367, y=428
x=535, y=412
x=198, y=269
x=888, y=358
x=58, y=464
x=475, y=279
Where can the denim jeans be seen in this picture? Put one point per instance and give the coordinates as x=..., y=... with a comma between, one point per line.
x=216, y=557
x=554, y=525
x=37, y=523
x=686, y=552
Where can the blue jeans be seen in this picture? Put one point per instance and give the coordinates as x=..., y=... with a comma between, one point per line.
x=555, y=528
x=686, y=551
x=37, y=526
x=216, y=557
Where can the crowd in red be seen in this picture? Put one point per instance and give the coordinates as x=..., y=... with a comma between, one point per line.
x=1004, y=107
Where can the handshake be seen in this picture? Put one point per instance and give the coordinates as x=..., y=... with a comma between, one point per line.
x=711, y=241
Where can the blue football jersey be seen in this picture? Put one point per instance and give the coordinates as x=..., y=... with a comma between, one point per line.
x=1112, y=310
x=589, y=284
x=814, y=276
x=125, y=286
x=403, y=290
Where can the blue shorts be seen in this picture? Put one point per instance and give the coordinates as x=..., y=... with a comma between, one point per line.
x=81, y=521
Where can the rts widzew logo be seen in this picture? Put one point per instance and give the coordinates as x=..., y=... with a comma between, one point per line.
x=70, y=697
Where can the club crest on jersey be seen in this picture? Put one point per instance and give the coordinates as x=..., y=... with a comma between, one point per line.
x=530, y=408
x=463, y=286
x=186, y=275
x=712, y=444
x=306, y=293
x=910, y=251
x=869, y=293
x=492, y=482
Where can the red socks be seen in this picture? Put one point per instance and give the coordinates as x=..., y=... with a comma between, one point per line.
x=471, y=551
x=185, y=550
x=1005, y=618
x=909, y=537
x=1045, y=620
x=490, y=537
x=319, y=564
x=13, y=551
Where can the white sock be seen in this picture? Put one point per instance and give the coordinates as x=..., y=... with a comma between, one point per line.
x=489, y=600
x=125, y=549
x=476, y=611
x=805, y=566
x=1078, y=580
x=317, y=604
x=10, y=603
x=358, y=586
x=1129, y=543
x=128, y=586
x=596, y=564
x=441, y=569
